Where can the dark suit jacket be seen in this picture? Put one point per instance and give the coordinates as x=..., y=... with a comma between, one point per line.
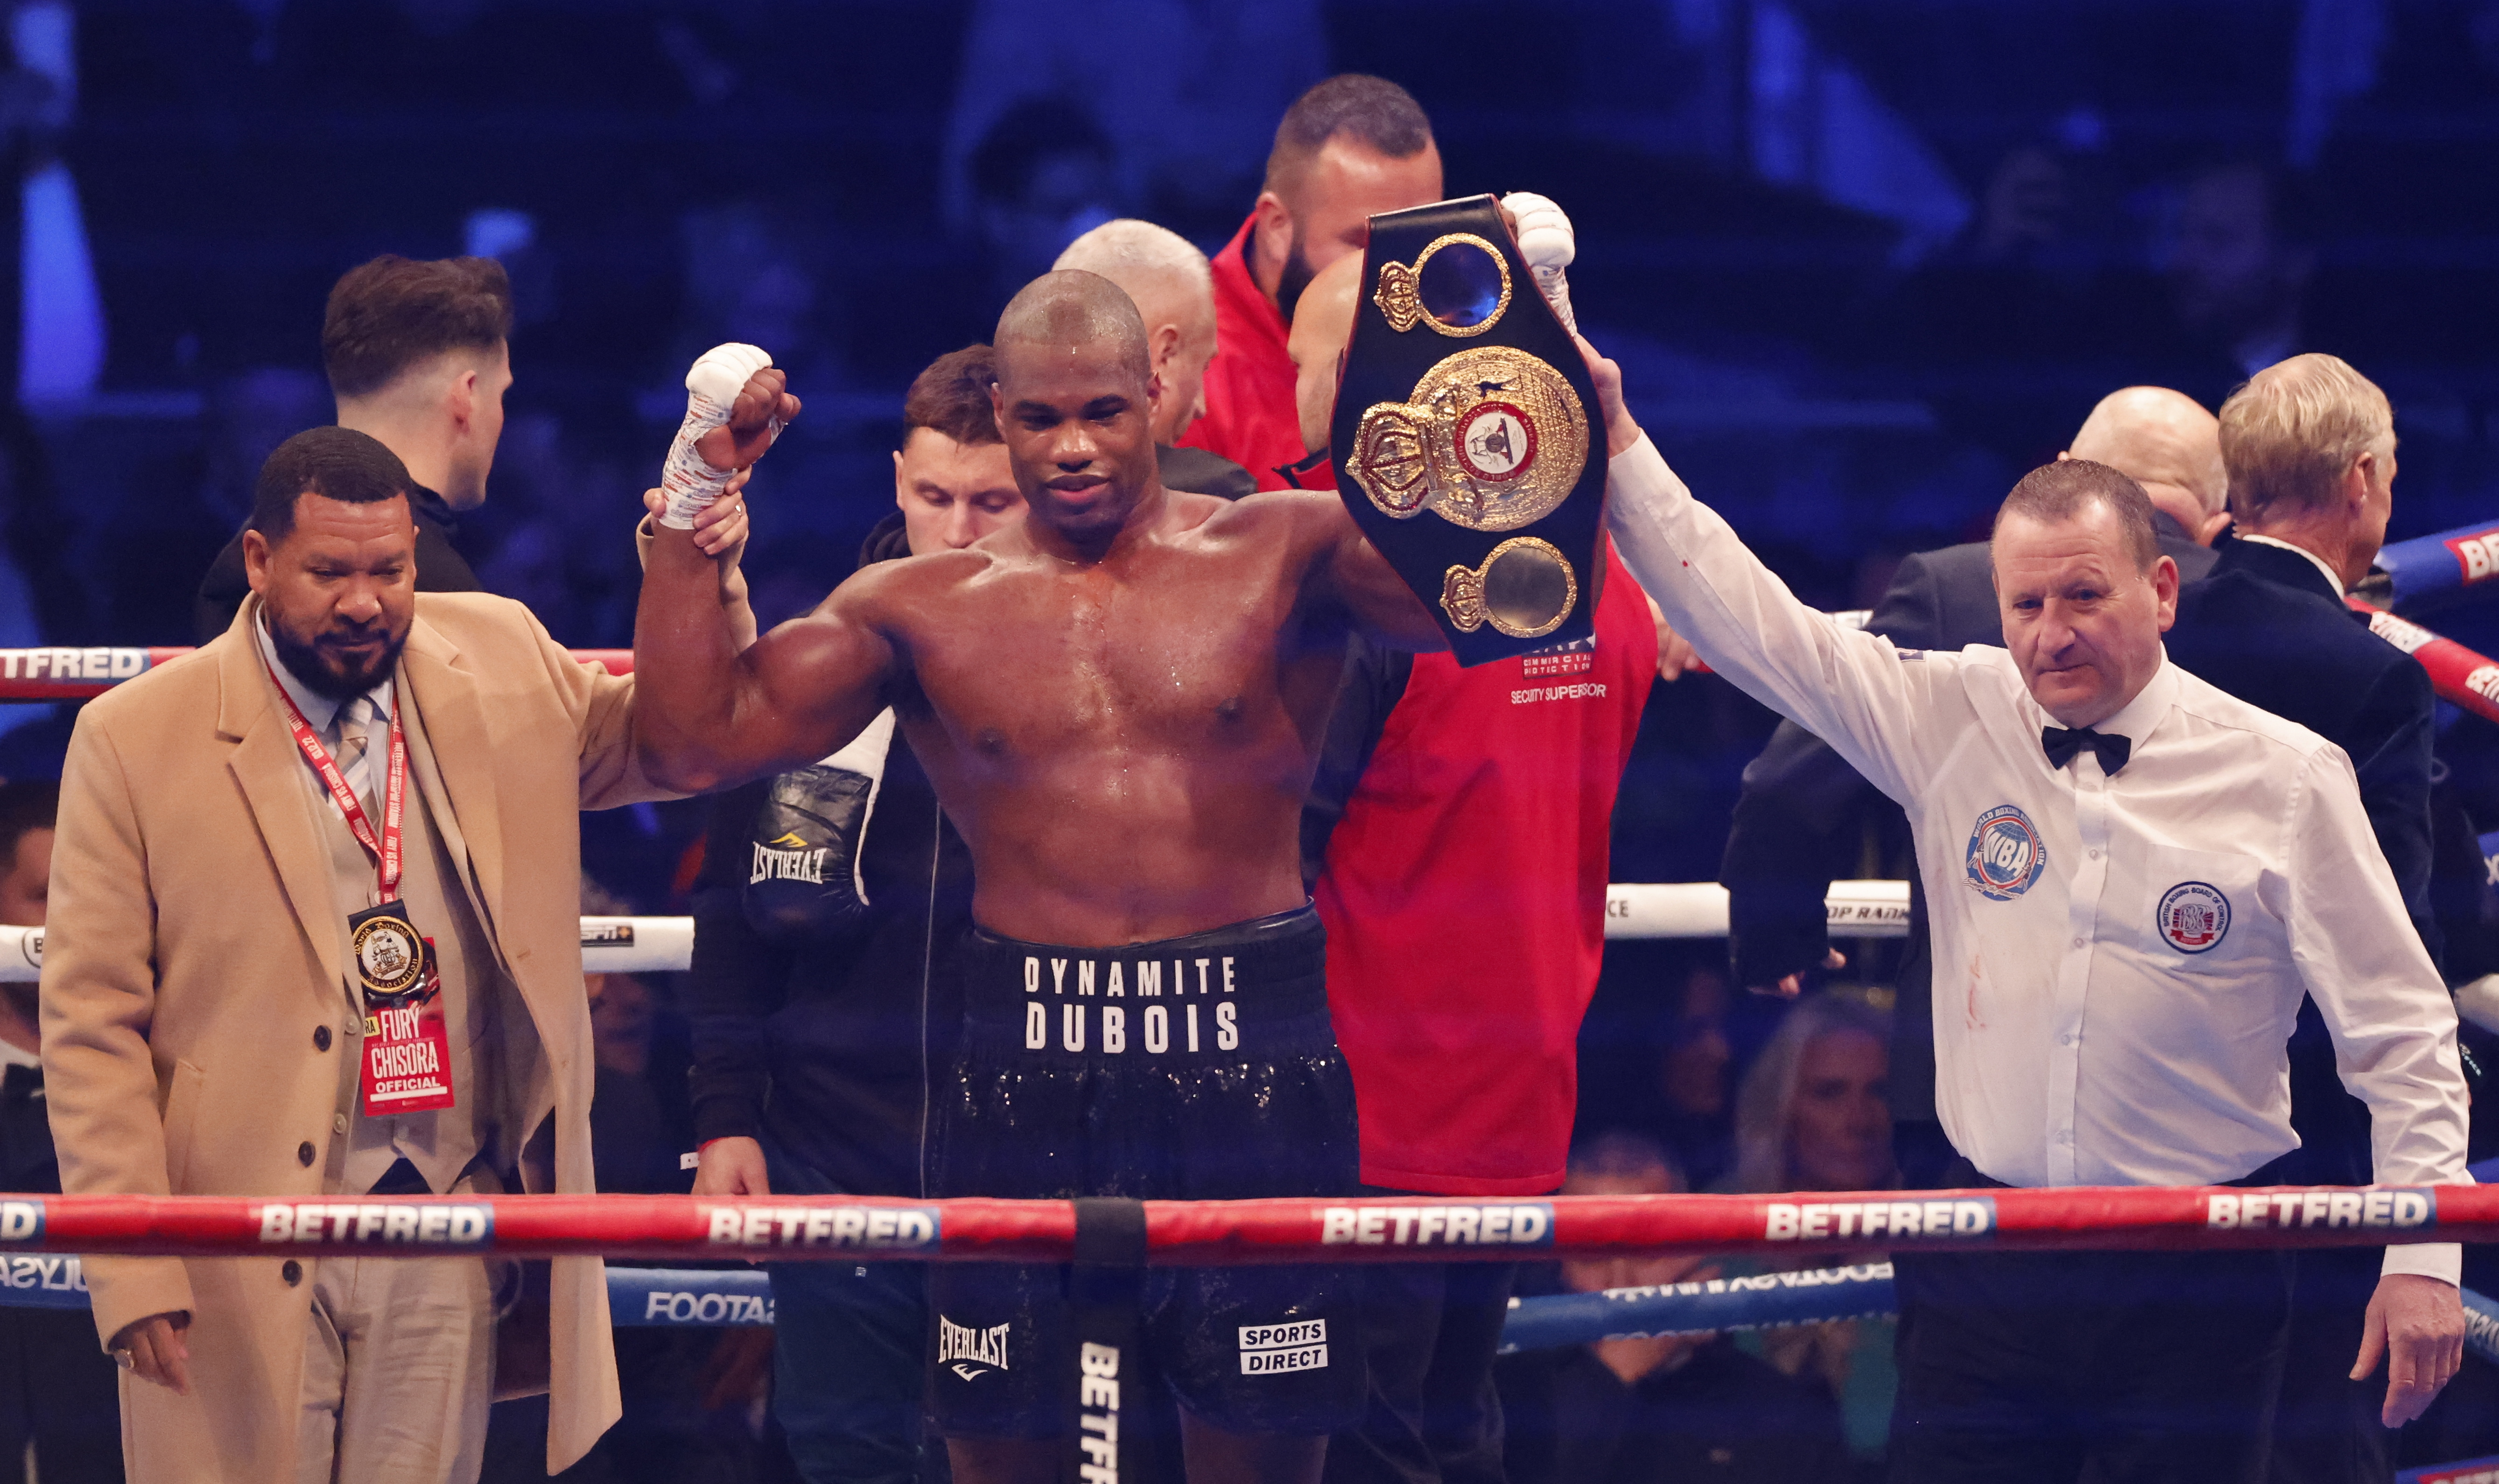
x=440, y=566
x=2270, y=628
x=1804, y=808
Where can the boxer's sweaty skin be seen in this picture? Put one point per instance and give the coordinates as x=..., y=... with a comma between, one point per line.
x=1120, y=701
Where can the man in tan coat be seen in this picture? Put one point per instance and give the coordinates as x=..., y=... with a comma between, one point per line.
x=206, y=1005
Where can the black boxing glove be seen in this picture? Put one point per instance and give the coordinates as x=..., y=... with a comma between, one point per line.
x=804, y=883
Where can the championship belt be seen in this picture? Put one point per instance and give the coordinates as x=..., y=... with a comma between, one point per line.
x=1464, y=442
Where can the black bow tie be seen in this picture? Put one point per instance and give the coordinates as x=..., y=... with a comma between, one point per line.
x=2060, y=745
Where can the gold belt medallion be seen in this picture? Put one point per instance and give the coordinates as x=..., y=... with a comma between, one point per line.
x=1525, y=589
x=1491, y=439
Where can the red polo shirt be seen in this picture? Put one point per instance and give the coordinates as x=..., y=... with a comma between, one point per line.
x=1464, y=902
x=1249, y=416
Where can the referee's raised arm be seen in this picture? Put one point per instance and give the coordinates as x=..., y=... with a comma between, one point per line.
x=1856, y=692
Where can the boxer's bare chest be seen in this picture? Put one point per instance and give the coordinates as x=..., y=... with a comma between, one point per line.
x=1193, y=653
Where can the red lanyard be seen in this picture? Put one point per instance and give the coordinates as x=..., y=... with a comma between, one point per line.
x=385, y=849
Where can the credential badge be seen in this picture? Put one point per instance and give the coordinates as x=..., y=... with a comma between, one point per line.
x=2006, y=853
x=2194, y=916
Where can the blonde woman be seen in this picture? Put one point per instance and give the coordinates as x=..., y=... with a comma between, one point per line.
x=1813, y=1116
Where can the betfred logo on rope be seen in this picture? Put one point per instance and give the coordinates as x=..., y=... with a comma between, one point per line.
x=836, y=1228
x=21, y=1220
x=1811, y=1220
x=371, y=1223
x=1513, y=1224
x=111, y=664
x=2289, y=1210
x=2477, y=555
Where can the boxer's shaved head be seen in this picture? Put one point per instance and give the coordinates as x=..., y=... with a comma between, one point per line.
x=2166, y=443
x=1066, y=311
x=1075, y=402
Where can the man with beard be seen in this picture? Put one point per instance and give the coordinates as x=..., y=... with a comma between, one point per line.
x=1349, y=149
x=314, y=933
x=1120, y=702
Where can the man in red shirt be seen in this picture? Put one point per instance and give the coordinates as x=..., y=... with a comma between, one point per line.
x=1457, y=837
x=1349, y=149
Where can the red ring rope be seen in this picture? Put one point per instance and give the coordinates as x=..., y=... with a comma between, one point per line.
x=1227, y=1233
x=79, y=674
x=2459, y=674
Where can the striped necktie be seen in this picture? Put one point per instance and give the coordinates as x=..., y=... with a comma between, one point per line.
x=354, y=751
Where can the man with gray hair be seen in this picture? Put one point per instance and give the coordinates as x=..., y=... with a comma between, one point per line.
x=2310, y=449
x=1173, y=289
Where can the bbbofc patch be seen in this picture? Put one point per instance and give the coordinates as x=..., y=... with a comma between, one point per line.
x=2006, y=853
x=2193, y=917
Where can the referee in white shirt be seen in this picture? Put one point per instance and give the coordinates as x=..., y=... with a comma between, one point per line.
x=2132, y=879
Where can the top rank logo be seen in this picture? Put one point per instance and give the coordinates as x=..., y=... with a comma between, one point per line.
x=2006, y=853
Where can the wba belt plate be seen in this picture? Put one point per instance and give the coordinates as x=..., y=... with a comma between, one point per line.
x=1468, y=446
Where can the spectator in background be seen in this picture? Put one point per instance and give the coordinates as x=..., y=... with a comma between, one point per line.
x=58, y=1393
x=1174, y=291
x=417, y=358
x=1042, y=177
x=2238, y=265
x=1814, y=1115
x=1347, y=149
x=826, y=920
x=1222, y=71
x=1691, y=1076
x=1663, y=1409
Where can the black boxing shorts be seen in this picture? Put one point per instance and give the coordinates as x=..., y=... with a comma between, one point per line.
x=1196, y=1069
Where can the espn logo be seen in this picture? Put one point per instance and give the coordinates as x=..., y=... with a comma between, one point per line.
x=1273, y=1350
x=2477, y=555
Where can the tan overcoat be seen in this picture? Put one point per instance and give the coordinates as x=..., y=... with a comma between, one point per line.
x=191, y=953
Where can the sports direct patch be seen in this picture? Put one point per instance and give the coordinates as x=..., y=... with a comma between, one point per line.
x=1273, y=1350
x=1509, y=1224
x=1811, y=1220
x=2291, y=1210
x=2194, y=916
x=2006, y=853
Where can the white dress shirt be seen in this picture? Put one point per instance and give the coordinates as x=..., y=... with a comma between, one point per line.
x=2118, y=960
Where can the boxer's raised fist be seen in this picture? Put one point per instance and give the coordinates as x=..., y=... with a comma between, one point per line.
x=1547, y=241
x=736, y=405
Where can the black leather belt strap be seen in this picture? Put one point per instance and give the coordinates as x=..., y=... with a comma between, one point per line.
x=1105, y=1289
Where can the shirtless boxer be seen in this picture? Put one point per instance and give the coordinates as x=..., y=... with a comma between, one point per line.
x=1120, y=702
